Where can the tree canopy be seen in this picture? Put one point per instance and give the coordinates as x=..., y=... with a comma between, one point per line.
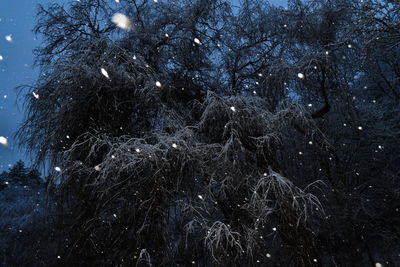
x=208, y=133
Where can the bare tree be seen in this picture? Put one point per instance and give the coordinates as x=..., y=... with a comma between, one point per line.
x=212, y=134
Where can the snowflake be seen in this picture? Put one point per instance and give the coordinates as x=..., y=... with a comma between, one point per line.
x=105, y=73
x=197, y=41
x=57, y=169
x=9, y=38
x=158, y=84
x=300, y=75
x=3, y=141
x=122, y=21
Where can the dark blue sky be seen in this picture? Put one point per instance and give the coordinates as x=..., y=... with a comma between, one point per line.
x=17, y=18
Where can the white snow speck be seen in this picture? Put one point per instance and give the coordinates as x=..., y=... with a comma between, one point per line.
x=9, y=38
x=137, y=150
x=3, y=141
x=359, y=128
x=97, y=168
x=105, y=73
x=57, y=169
x=35, y=95
x=378, y=264
x=268, y=255
x=174, y=145
x=197, y=41
x=158, y=84
x=5, y=96
x=201, y=197
x=300, y=75
x=1, y=58
x=233, y=109
x=122, y=21
x=117, y=1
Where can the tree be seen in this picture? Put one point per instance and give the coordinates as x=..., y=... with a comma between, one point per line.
x=193, y=125
x=20, y=175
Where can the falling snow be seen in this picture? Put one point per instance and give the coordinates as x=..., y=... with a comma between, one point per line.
x=35, y=95
x=197, y=41
x=122, y=21
x=105, y=73
x=3, y=141
x=9, y=38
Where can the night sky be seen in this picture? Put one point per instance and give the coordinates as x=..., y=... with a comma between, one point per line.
x=17, y=19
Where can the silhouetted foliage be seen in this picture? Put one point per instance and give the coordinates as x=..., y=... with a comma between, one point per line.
x=26, y=225
x=19, y=175
x=214, y=134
